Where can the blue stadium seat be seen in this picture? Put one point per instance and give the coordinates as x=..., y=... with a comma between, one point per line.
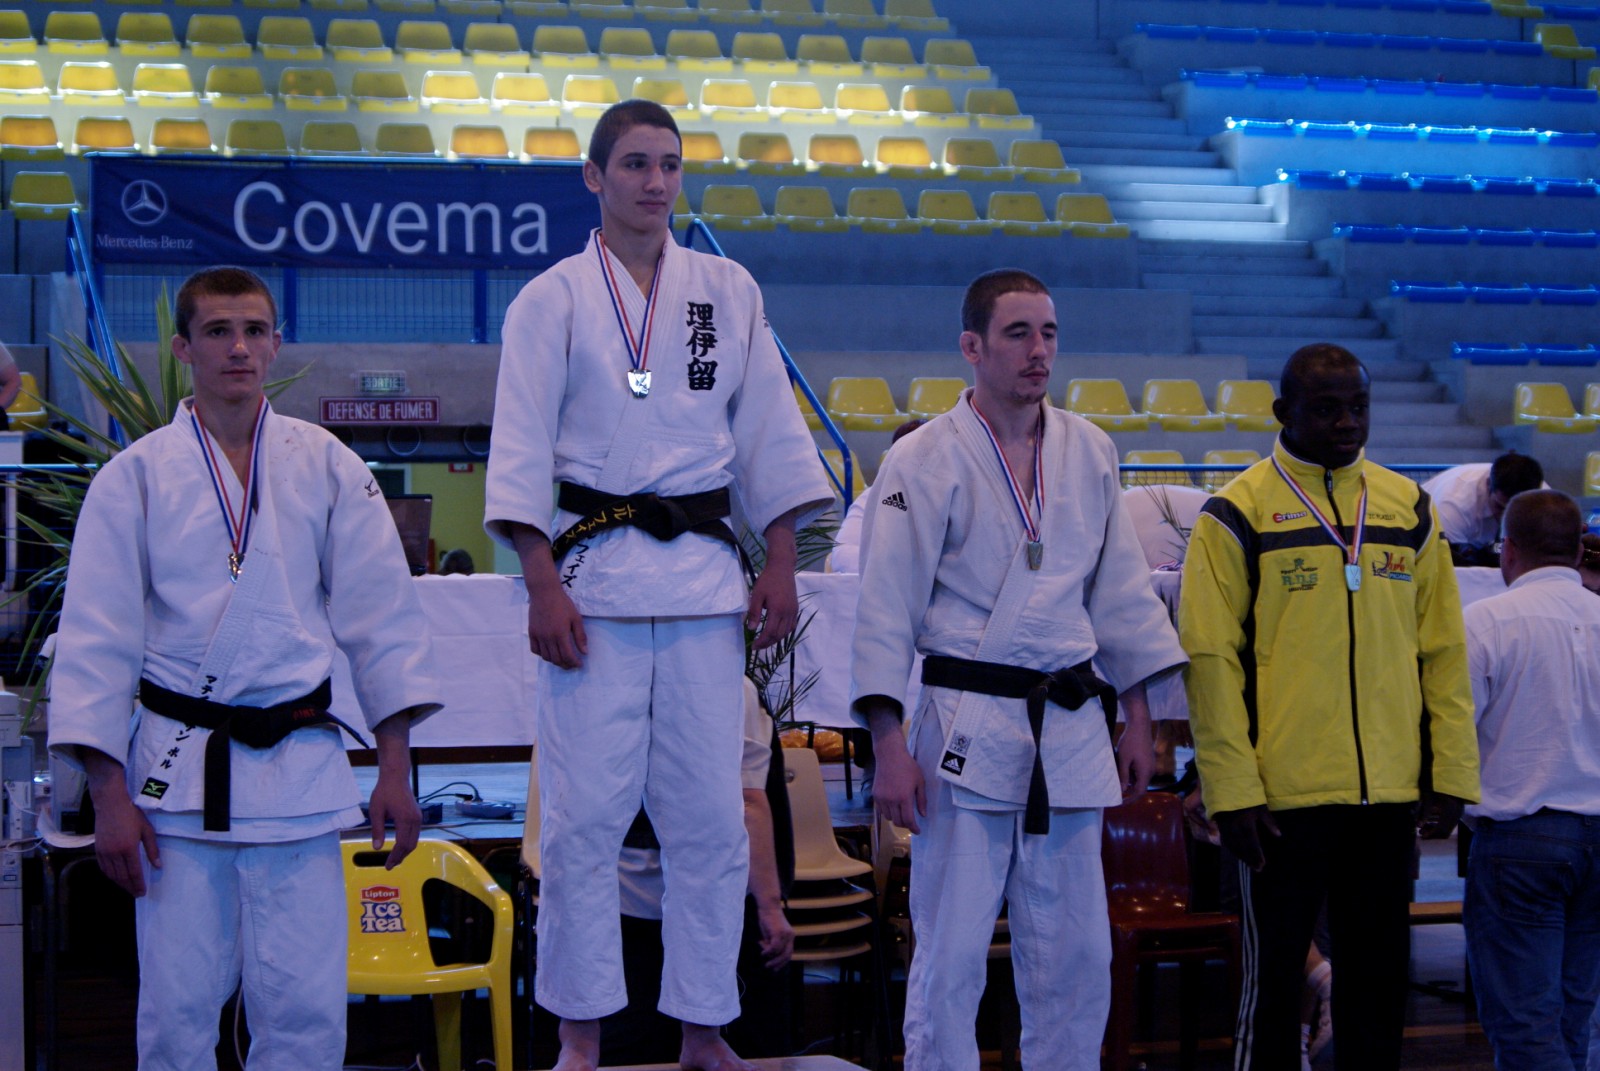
x=1316, y=180
x=1572, y=139
x=1236, y=34
x=1451, y=133
x=1490, y=352
x=1405, y=87
x=1296, y=38
x=1165, y=31
x=1507, y=136
x=1518, y=294
x=1503, y=235
x=1508, y=187
x=1584, y=356
x=1562, y=187
x=1466, y=7
x=1516, y=48
x=1336, y=83
x=1572, y=94
x=1392, y=132
x=1501, y=91
x=1563, y=239
x=1440, y=235
x=1314, y=129
x=1459, y=89
x=1570, y=13
x=1461, y=44
x=1390, y=233
x=1443, y=183
x=1380, y=181
x=1567, y=294
x=1430, y=292
x=1405, y=42
x=1336, y=39
x=1290, y=82
x=1263, y=128
x=1217, y=79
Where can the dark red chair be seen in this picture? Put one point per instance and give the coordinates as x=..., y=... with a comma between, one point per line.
x=1146, y=864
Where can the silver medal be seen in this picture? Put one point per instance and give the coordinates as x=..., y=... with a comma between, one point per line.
x=1035, y=553
x=1352, y=577
x=639, y=383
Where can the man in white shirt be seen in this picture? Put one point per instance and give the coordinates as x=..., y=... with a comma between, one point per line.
x=1471, y=498
x=1532, y=908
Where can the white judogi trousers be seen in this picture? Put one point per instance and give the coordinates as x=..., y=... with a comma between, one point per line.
x=962, y=864
x=655, y=713
x=272, y=914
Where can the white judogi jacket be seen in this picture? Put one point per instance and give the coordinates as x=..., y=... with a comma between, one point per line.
x=720, y=412
x=944, y=573
x=148, y=594
x=1461, y=496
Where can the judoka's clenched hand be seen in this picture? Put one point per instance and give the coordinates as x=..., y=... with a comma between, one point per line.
x=1136, y=751
x=392, y=800
x=555, y=628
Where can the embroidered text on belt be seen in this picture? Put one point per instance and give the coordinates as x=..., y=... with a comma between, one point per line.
x=665, y=517
x=257, y=727
x=1071, y=688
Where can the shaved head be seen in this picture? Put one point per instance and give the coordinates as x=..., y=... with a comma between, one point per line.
x=1546, y=527
x=1313, y=363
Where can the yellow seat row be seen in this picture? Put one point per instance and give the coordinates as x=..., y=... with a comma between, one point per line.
x=1212, y=480
x=864, y=403
x=882, y=210
x=841, y=156
x=1548, y=407
x=1174, y=405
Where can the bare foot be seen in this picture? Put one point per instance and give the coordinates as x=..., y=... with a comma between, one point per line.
x=580, y=1045
x=704, y=1050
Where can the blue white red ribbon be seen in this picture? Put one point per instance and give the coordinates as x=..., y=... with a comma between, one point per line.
x=1352, y=551
x=638, y=349
x=241, y=523
x=1029, y=524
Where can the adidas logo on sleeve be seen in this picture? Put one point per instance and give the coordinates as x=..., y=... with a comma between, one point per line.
x=897, y=500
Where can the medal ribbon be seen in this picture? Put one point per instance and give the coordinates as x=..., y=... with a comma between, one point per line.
x=1029, y=525
x=1352, y=551
x=240, y=524
x=638, y=350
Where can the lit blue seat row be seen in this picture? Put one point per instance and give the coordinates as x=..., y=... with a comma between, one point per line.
x=1516, y=353
x=1392, y=86
x=1403, y=181
x=1454, y=7
x=1162, y=31
x=1489, y=135
x=1396, y=233
x=1439, y=293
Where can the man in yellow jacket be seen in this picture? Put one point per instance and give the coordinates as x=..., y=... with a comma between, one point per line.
x=1328, y=692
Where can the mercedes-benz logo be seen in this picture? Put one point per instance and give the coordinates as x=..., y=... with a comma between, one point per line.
x=144, y=203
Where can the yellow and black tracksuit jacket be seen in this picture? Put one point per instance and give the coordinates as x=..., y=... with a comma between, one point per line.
x=1302, y=692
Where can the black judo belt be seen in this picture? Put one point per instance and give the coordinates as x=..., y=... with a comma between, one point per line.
x=665, y=517
x=1070, y=688
x=257, y=727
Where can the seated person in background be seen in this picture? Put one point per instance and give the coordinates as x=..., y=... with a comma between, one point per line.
x=1471, y=498
x=846, y=556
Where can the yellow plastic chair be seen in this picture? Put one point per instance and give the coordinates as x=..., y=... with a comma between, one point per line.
x=522, y=93
x=216, y=37
x=996, y=109
x=91, y=84
x=181, y=135
x=28, y=411
x=952, y=59
x=735, y=208
x=797, y=102
x=666, y=10
x=75, y=33
x=932, y=106
x=1591, y=473
x=147, y=35
x=891, y=58
x=1155, y=477
x=792, y=13
x=951, y=212
x=807, y=208
x=494, y=44
x=827, y=54
x=41, y=195
x=406, y=7
x=1247, y=404
x=381, y=91
x=813, y=421
x=405, y=139
x=564, y=47
x=255, y=137
x=1560, y=41
x=391, y=950
x=667, y=92
x=473, y=9
x=836, y=156
x=737, y=12
x=854, y=14
x=310, y=89
x=863, y=403
x=236, y=87
x=1104, y=403
x=1040, y=161
x=915, y=15
x=1087, y=215
x=1591, y=400
x=538, y=9
x=880, y=210
x=344, y=7
x=587, y=96
x=551, y=143
x=865, y=104
x=681, y=212
x=904, y=157
x=834, y=459
x=16, y=36
x=287, y=37
x=703, y=154
x=330, y=137
x=1548, y=407
x=164, y=85
x=975, y=160
x=928, y=396
x=767, y=154
x=478, y=143
x=729, y=100
x=630, y=48
x=453, y=92
x=762, y=53
x=1215, y=481
x=31, y=137
x=697, y=50
x=1178, y=405
x=1023, y=215
x=286, y=5
x=22, y=82
x=357, y=41
x=425, y=41
x=601, y=9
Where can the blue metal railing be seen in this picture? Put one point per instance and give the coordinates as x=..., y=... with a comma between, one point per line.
x=99, y=328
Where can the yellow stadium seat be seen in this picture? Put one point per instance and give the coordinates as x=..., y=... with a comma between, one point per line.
x=863, y=403
x=147, y=35
x=904, y=157
x=343, y=7
x=1104, y=403
x=564, y=47
x=792, y=13
x=195, y=3
x=1022, y=214
x=522, y=93
x=854, y=14
x=587, y=96
x=310, y=89
x=545, y=144
x=601, y=9
x=16, y=37
x=697, y=50
x=478, y=143
x=1591, y=400
x=767, y=154
x=836, y=156
x=667, y=92
x=736, y=208
x=731, y=11
x=453, y=92
x=996, y=109
x=932, y=106
x=236, y=87
x=762, y=53
x=381, y=91
x=865, y=103
x=915, y=15
x=473, y=9
x=1178, y=405
x=952, y=59
x=880, y=210
x=92, y=84
x=813, y=421
x=1561, y=42
x=807, y=208
x=1155, y=477
x=1215, y=481
x=928, y=396
x=976, y=160
x=28, y=413
x=951, y=212
x=405, y=139
x=164, y=85
x=31, y=137
x=729, y=99
x=412, y=8
x=494, y=44
x=255, y=137
x=75, y=33
x=538, y=9
x=827, y=55
x=287, y=37
x=1591, y=474
x=41, y=195
x=216, y=37
x=703, y=154
x=180, y=135
x=630, y=48
x=330, y=137
x=22, y=82
x=275, y=5
x=890, y=58
x=666, y=10
x=797, y=102
x=1087, y=215
x=357, y=41
x=681, y=212
x=1548, y=407
x=1039, y=161
x=1247, y=404
x=834, y=459
x=425, y=41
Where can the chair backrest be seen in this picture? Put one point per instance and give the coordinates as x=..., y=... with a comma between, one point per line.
x=859, y=394
x=330, y=137
x=814, y=844
x=41, y=195
x=971, y=152
x=795, y=96
x=104, y=132
x=545, y=143
x=834, y=459
x=861, y=97
x=181, y=135
x=737, y=201
x=513, y=88
x=1174, y=397
x=763, y=148
x=423, y=35
x=930, y=395
x=1155, y=477
x=356, y=35
x=693, y=44
x=1230, y=457
x=727, y=93
x=1555, y=33
x=568, y=41
x=934, y=100
x=253, y=137
x=479, y=142
x=405, y=139
x=1103, y=396
x=1534, y=400
x=1145, y=859
x=823, y=48
x=293, y=31
x=902, y=151
x=835, y=150
x=1591, y=399
x=895, y=51
x=1017, y=207
x=1591, y=473
x=592, y=89
x=760, y=47
x=493, y=39
x=33, y=136
x=953, y=205
x=1083, y=208
x=950, y=52
x=703, y=146
x=993, y=102
x=163, y=79
x=1245, y=397
x=146, y=34
x=452, y=87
